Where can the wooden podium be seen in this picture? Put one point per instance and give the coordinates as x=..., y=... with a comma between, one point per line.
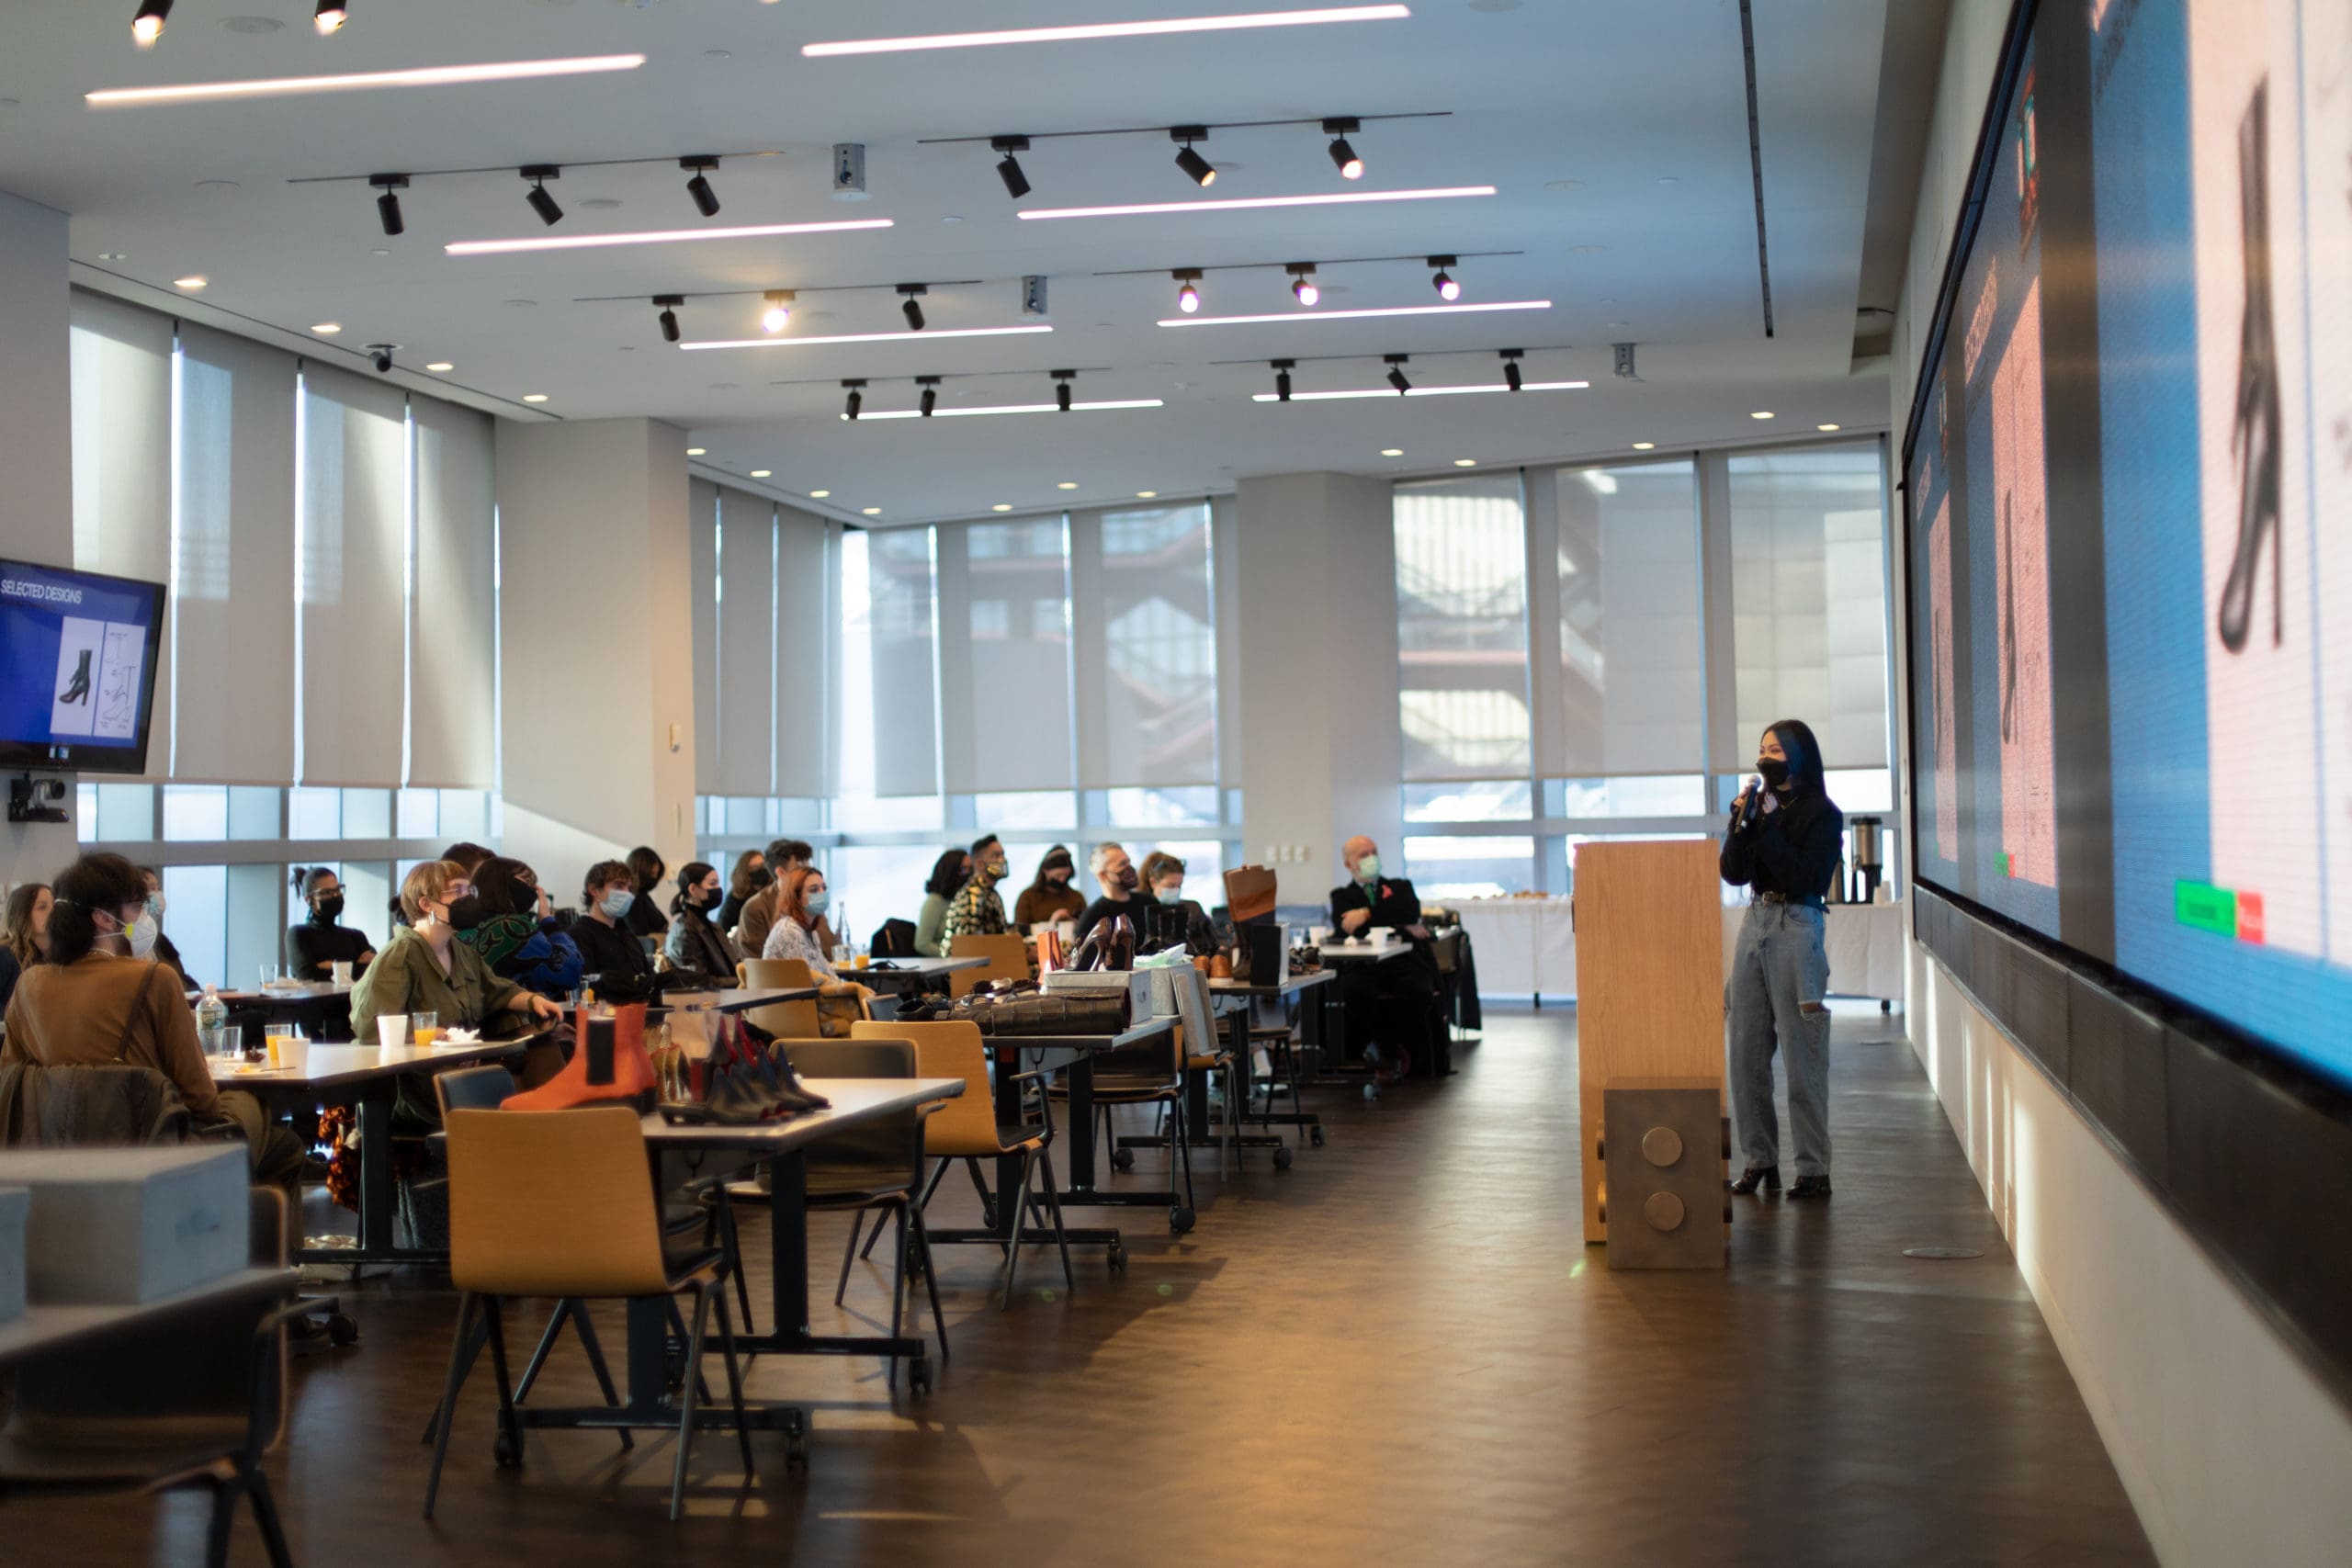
x=1649, y=929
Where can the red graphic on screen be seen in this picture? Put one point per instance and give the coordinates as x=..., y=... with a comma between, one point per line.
x=2021, y=600
x=1947, y=711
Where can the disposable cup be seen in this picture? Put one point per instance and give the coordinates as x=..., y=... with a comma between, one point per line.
x=391, y=1029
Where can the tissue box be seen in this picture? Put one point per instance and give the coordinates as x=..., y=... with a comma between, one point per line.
x=1133, y=984
x=14, y=1202
x=118, y=1228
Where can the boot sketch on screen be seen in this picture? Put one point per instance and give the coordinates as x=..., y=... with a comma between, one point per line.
x=77, y=690
x=2254, y=438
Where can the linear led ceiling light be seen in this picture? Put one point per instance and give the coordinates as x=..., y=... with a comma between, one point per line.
x=541, y=202
x=420, y=77
x=1055, y=407
x=1017, y=183
x=1199, y=169
x=1443, y=280
x=329, y=18
x=1390, y=391
x=654, y=237
x=1343, y=156
x=147, y=26
x=1360, y=315
x=1084, y=32
x=1241, y=203
x=862, y=337
x=1301, y=282
x=388, y=205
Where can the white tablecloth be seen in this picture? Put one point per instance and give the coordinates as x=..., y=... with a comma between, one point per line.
x=1527, y=946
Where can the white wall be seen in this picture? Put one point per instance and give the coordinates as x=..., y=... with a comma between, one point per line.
x=2231, y=1449
x=598, y=728
x=35, y=452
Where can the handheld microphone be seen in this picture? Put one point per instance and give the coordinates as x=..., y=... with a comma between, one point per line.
x=1755, y=799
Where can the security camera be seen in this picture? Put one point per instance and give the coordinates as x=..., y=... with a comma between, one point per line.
x=380, y=356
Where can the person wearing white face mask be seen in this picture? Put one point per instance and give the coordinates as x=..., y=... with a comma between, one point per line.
x=612, y=952
x=799, y=912
x=165, y=952
x=1163, y=874
x=1391, y=1005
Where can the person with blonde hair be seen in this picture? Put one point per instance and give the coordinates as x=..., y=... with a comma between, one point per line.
x=425, y=967
x=24, y=934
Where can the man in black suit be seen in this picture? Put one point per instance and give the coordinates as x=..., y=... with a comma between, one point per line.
x=1391, y=1003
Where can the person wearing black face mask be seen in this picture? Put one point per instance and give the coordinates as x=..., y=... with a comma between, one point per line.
x=692, y=942
x=750, y=878
x=519, y=937
x=1050, y=897
x=313, y=947
x=1783, y=843
x=425, y=967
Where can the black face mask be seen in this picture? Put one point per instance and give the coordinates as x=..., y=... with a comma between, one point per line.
x=762, y=878
x=1058, y=879
x=1774, y=769
x=328, y=907
x=465, y=913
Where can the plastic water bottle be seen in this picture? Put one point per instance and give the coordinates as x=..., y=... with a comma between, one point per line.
x=211, y=1012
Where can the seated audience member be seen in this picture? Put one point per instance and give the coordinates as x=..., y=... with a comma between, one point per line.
x=1163, y=874
x=749, y=876
x=24, y=934
x=1391, y=1004
x=694, y=943
x=611, y=952
x=784, y=855
x=1050, y=898
x=645, y=917
x=1115, y=875
x=104, y=998
x=947, y=875
x=466, y=856
x=977, y=909
x=322, y=941
x=164, y=951
x=425, y=967
x=799, y=910
x=519, y=936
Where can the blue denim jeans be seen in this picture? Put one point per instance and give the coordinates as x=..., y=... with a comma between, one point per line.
x=1780, y=975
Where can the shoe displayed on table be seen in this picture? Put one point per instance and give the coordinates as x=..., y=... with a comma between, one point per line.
x=1765, y=1175
x=1810, y=1187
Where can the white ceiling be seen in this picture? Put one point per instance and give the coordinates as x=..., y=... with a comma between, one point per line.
x=1579, y=111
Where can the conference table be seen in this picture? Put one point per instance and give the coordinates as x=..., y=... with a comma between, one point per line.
x=911, y=974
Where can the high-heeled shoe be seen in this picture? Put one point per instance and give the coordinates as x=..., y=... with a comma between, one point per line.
x=2253, y=434
x=1810, y=1187
x=1765, y=1175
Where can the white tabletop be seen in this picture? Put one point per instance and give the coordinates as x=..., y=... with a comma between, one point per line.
x=1370, y=952
x=327, y=1064
x=41, y=1328
x=854, y=1100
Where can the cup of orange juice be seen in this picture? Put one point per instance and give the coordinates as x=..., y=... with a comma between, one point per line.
x=428, y=1028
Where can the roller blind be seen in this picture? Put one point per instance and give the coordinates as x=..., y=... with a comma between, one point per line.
x=121, y=365
x=1004, y=612
x=1149, y=702
x=1225, y=540
x=1462, y=628
x=234, y=580
x=702, y=534
x=353, y=534
x=452, y=637
x=897, y=605
x=1631, y=660
x=804, y=676
x=746, y=643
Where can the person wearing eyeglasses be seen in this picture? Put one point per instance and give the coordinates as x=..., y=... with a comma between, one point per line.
x=426, y=968
x=318, y=943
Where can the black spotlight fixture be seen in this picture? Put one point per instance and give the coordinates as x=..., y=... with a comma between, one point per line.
x=379, y=354
x=1510, y=368
x=856, y=400
x=147, y=25
x=1443, y=280
x=1017, y=183
x=541, y=202
x=1282, y=378
x=706, y=198
x=1188, y=293
x=1203, y=171
x=387, y=206
x=668, y=304
x=329, y=18
x=1061, y=389
x=1396, y=372
x=1301, y=282
x=1344, y=157
x=910, y=307
x=930, y=384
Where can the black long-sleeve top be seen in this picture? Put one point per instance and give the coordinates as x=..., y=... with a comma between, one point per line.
x=1791, y=851
x=314, y=944
x=612, y=952
x=1392, y=901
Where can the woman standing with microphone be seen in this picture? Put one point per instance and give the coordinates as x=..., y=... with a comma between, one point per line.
x=1783, y=843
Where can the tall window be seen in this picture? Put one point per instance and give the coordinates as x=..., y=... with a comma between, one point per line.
x=889, y=714
x=1633, y=678
x=1149, y=703
x=1462, y=628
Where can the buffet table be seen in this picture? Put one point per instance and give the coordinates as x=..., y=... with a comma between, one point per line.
x=1527, y=947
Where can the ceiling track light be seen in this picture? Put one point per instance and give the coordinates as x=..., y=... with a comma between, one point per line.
x=1396, y=372
x=1344, y=157
x=1061, y=389
x=929, y=401
x=706, y=198
x=1188, y=293
x=541, y=202
x=147, y=25
x=856, y=400
x=779, y=310
x=1443, y=280
x=668, y=304
x=1017, y=183
x=1203, y=171
x=910, y=307
x=1510, y=368
x=329, y=18
x=379, y=354
x=1301, y=282
x=387, y=206
x=1282, y=378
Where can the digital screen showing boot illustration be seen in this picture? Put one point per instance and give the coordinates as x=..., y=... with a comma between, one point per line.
x=77, y=669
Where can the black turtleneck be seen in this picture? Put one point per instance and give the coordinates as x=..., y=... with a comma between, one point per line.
x=317, y=943
x=1792, y=850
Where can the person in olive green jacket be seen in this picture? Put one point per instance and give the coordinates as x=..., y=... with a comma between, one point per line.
x=425, y=967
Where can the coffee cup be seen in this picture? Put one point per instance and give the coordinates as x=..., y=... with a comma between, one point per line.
x=339, y=972
x=391, y=1029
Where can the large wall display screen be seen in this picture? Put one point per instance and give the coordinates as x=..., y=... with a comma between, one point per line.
x=77, y=667
x=2129, y=493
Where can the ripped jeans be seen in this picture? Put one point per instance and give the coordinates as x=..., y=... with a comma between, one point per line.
x=1780, y=975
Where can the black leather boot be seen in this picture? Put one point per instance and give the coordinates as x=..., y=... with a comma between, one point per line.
x=1810, y=1187
x=1765, y=1176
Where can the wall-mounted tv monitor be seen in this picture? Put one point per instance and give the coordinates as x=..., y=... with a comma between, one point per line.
x=77, y=669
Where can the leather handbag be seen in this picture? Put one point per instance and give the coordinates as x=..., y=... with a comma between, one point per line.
x=1031, y=1014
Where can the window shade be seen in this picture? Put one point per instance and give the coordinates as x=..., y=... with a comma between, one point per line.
x=897, y=586
x=746, y=643
x=1631, y=669
x=453, y=638
x=1225, y=540
x=702, y=535
x=1004, y=669
x=1462, y=628
x=1148, y=713
x=353, y=534
x=804, y=678
x=235, y=580
x=121, y=366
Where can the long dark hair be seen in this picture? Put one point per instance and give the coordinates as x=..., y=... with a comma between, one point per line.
x=90, y=884
x=646, y=867
x=1057, y=858
x=507, y=886
x=307, y=879
x=739, y=882
x=946, y=873
x=693, y=872
x=1802, y=751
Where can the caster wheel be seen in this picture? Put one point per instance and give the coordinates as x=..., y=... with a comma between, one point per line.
x=1283, y=1156
x=1122, y=1159
x=341, y=1329
x=1180, y=1220
x=507, y=1452
x=1315, y=1135
x=918, y=1376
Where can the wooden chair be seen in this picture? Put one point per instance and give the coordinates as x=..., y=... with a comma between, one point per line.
x=785, y=1021
x=558, y=1203
x=1007, y=955
x=966, y=1129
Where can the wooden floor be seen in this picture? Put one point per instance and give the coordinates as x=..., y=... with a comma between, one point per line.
x=1398, y=1352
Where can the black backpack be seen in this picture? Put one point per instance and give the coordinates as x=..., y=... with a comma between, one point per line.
x=895, y=940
